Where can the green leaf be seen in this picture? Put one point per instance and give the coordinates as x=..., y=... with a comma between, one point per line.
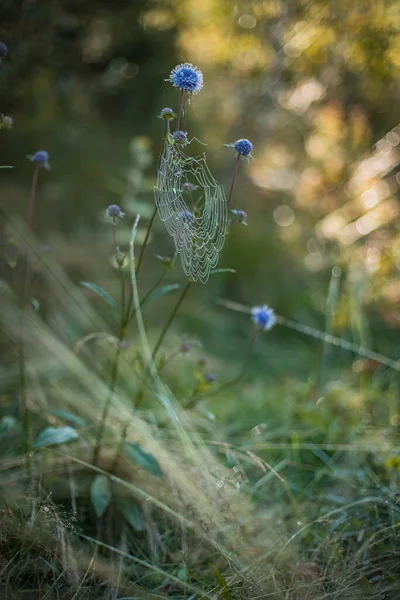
x=65, y=415
x=100, y=292
x=221, y=583
x=215, y=271
x=100, y=494
x=6, y=167
x=132, y=514
x=54, y=436
x=160, y=291
x=143, y=459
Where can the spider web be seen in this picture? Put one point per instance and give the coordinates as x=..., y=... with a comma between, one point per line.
x=198, y=225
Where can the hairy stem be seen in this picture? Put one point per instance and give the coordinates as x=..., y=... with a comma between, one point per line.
x=178, y=119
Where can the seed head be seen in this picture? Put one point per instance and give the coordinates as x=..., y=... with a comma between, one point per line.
x=243, y=147
x=6, y=122
x=3, y=50
x=187, y=78
x=115, y=212
x=41, y=159
x=263, y=317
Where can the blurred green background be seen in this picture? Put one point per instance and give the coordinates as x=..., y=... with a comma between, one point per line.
x=314, y=85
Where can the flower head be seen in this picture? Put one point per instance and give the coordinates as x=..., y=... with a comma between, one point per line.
x=6, y=122
x=187, y=78
x=41, y=159
x=240, y=216
x=189, y=187
x=263, y=317
x=202, y=361
x=209, y=377
x=3, y=50
x=185, y=347
x=186, y=216
x=243, y=147
x=180, y=137
x=167, y=113
x=115, y=212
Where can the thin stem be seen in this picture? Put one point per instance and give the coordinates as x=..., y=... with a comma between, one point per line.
x=146, y=239
x=171, y=318
x=233, y=180
x=178, y=119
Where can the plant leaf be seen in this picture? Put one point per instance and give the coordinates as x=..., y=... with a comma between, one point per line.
x=54, y=436
x=65, y=415
x=100, y=292
x=132, y=514
x=143, y=459
x=160, y=291
x=221, y=582
x=215, y=271
x=100, y=494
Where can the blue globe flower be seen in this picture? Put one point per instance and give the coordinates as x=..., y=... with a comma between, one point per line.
x=186, y=216
x=167, y=113
x=180, y=137
x=263, y=317
x=243, y=147
x=41, y=159
x=3, y=50
x=187, y=78
x=114, y=211
x=209, y=377
x=240, y=216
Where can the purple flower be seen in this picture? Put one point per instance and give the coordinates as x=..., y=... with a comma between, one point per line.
x=3, y=50
x=167, y=113
x=186, y=216
x=240, y=216
x=180, y=137
x=202, y=361
x=263, y=317
x=185, y=347
x=189, y=187
x=41, y=159
x=187, y=78
x=243, y=147
x=209, y=377
x=115, y=212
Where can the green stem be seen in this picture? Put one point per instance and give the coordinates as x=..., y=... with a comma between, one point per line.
x=146, y=239
x=178, y=119
x=171, y=318
x=233, y=180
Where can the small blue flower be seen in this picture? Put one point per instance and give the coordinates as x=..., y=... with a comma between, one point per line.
x=115, y=212
x=240, y=216
x=167, y=113
x=209, y=377
x=189, y=187
x=180, y=137
x=186, y=216
x=263, y=317
x=243, y=147
x=41, y=159
x=3, y=50
x=187, y=78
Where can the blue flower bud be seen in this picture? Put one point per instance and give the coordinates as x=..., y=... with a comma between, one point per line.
x=187, y=78
x=243, y=147
x=263, y=317
x=41, y=159
x=3, y=50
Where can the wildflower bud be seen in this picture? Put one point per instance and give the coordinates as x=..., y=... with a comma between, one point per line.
x=240, y=216
x=167, y=113
x=189, y=187
x=202, y=361
x=114, y=211
x=243, y=147
x=263, y=317
x=180, y=138
x=187, y=78
x=41, y=159
x=3, y=50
